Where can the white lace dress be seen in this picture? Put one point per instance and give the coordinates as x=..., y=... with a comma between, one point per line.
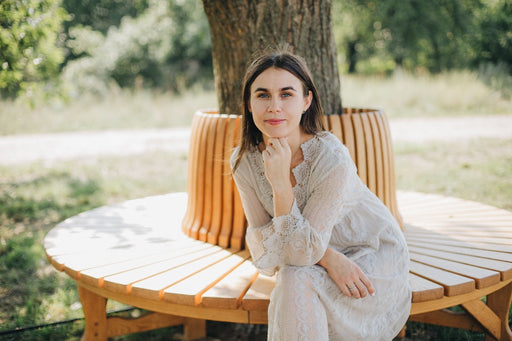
x=332, y=208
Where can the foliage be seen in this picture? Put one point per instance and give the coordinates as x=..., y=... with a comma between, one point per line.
x=30, y=52
x=494, y=37
x=166, y=47
x=411, y=34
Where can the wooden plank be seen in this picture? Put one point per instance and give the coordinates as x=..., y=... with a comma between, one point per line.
x=258, y=295
x=453, y=284
x=460, y=238
x=424, y=290
x=482, y=277
x=117, y=326
x=202, y=229
x=191, y=169
x=371, y=161
x=239, y=223
x=229, y=292
x=199, y=174
x=190, y=290
x=153, y=287
x=123, y=281
x=192, y=173
x=213, y=231
x=386, y=157
x=335, y=126
x=441, y=242
x=360, y=148
x=228, y=185
x=377, y=143
x=348, y=134
x=96, y=275
x=503, y=268
x=463, y=248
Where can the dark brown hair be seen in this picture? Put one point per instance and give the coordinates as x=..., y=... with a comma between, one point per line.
x=311, y=121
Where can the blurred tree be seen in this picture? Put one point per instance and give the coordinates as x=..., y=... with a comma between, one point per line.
x=98, y=15
x=239, y=28
x=168, y=46
x=412, y=33
x=29, y=40
x=494, y=37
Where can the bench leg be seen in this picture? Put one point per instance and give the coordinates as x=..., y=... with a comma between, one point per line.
x=499, y=302
x=95, y=313
x=194, y=329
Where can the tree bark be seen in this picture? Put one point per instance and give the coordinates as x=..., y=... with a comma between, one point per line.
x=240, y=28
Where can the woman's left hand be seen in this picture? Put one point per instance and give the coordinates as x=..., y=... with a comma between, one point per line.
x=346, y=274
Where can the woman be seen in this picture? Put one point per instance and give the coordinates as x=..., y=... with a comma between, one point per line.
x=340, y=256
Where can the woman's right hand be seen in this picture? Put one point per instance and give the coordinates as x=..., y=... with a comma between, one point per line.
x=276, y=160
x=346, y=274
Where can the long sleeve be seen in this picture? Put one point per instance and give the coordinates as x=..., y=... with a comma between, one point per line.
x=301, y=237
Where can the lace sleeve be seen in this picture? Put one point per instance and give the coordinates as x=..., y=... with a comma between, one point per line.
x=298, y=238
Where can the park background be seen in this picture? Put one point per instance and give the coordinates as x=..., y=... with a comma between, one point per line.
x=112, y=65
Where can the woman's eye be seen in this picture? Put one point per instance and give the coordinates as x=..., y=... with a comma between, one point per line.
x=262, y=95
x=286, y=94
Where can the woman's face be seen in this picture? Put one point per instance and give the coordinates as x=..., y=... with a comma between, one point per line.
x=277, y=102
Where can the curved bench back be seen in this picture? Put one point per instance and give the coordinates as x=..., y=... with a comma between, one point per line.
x=214, y=211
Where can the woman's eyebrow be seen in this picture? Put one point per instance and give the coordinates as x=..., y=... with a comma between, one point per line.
x=286, y=88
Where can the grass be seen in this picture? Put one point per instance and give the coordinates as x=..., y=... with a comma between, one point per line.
x=405, y=95
x=33, y=198
x=36, y=196
x=121, y=109
x=401, y=95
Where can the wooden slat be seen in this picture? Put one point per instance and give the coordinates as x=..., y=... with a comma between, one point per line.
x=335, y=126
x=229, y=292
x=463, y=248
x=123, y=281
x=258, y=295
x=95, y=275
x=424, y=290
x=198, y=163
x=371, y=162
x=453, y=284
x=213, y=231
x=190, y=290
x=228, y=184
x=191, y=173
x=377, y=148
x=386, y=157
x=154, y=286
x=348, y=134
x=482, y=277
x=502, y=267
x=202, y=232
x=360, y=148
x=461, y=237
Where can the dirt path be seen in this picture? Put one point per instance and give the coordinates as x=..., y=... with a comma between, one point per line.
x=18, y=149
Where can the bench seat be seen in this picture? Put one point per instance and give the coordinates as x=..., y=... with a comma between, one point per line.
x=136, y=253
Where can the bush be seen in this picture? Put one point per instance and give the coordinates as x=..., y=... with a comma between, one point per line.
x=166, y=47
x=29, y=45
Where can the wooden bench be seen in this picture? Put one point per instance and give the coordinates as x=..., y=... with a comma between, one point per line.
x=136, y=252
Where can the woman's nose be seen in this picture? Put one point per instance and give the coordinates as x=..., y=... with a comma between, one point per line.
x=274, y=105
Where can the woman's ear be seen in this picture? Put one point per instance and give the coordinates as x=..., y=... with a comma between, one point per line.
x=308, y=99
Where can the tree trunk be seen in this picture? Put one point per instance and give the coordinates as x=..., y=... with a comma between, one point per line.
x=239, y=28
